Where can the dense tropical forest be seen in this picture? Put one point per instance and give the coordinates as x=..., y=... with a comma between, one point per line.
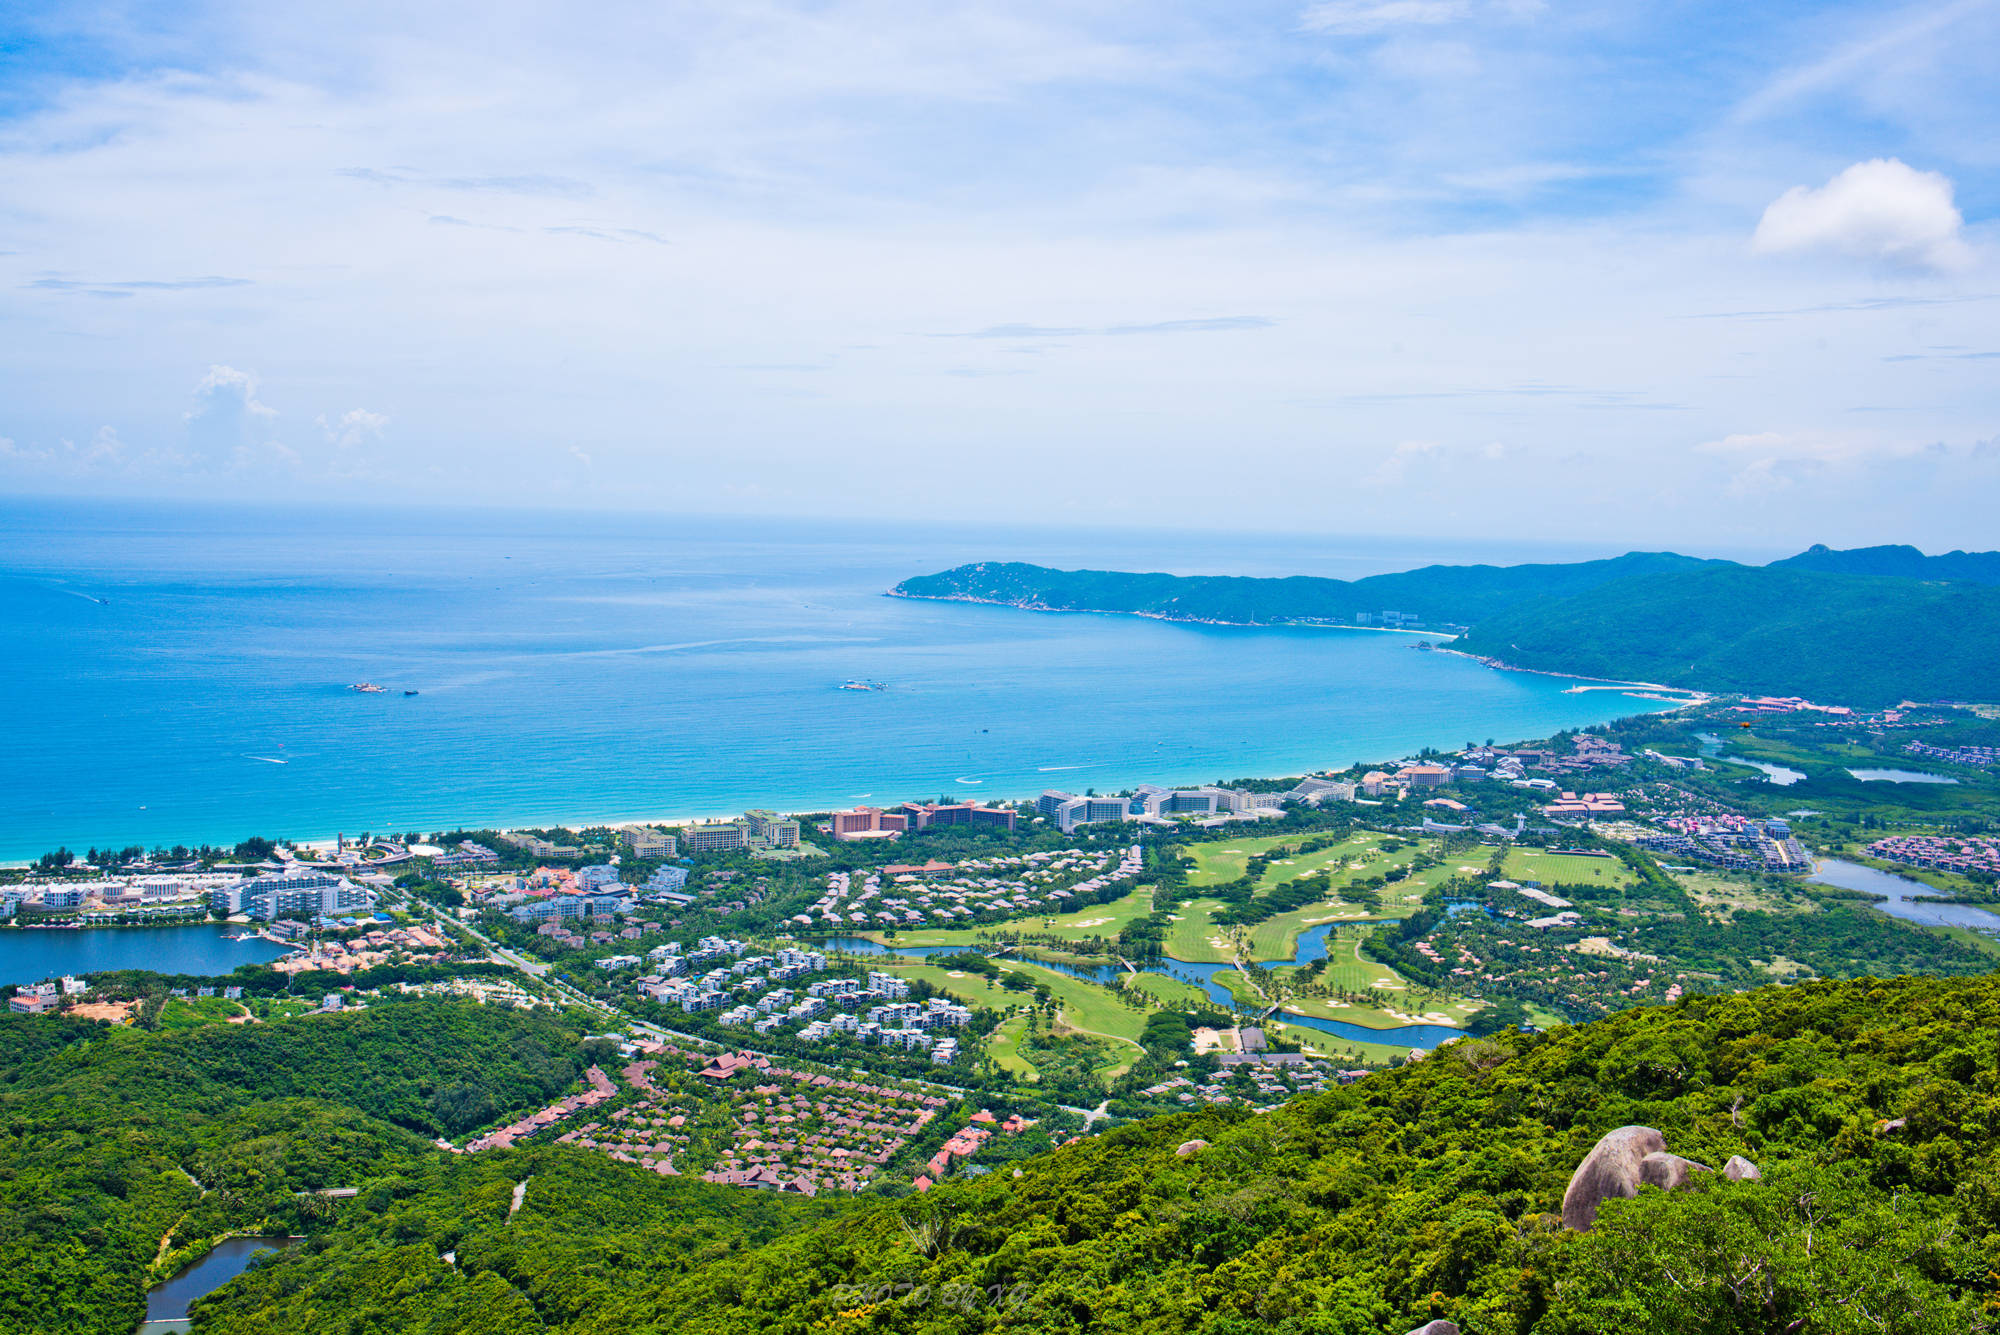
x=120, y=1149
x=1863, y=640
x=1872, y=1110
x=1867, y=627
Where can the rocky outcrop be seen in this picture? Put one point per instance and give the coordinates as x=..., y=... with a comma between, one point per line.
x=1631, y=1157
x=1437, y=1328
x=1612, y=1168
x=1191, y=1146
x=1669, y=1172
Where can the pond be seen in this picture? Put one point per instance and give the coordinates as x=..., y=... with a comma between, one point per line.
x=1311, y=946
x=30, y=954
x=1899, y=776
x=1777, y=774
x=167, y=1303
x=1903, y=897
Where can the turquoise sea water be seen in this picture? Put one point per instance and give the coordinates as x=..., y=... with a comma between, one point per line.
x=178, y=675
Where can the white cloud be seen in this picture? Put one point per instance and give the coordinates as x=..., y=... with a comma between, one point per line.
x=1395, y=470
x=228, y=422
x=1762, y=461
x=1882, y=209
x=354, y=428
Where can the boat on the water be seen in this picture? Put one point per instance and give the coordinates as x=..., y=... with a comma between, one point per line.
x=856, y=684
x=409, y=692
x=369, y=688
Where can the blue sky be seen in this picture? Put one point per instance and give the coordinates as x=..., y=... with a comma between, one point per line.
x=1665, y=274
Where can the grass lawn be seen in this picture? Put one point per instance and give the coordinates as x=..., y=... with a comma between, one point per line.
x=1528, y=864
x=1174, y=992
x=1238, y=986
x=193, y=1012
x=1542, y=1017
x=1191, y=937
x=1225, y=861
x=1977, y=940
x=1347, y=967
x=1004, y=1046
x=967, y=987
x=1104, y=920
x=1084, y=1006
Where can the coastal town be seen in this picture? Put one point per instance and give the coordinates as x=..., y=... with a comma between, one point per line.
x=789, y=989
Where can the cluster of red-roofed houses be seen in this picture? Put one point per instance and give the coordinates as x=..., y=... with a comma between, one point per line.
x=789, y=1130
x=805, y=1132
x=600, y=1090
x=967, y=1142
x=644, y=1133
x=1957, y=853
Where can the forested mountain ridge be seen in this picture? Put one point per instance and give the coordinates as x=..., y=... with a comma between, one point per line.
x=1872, y=1109
x=1454, y=594
x=1872, y=626
x=1900, y=560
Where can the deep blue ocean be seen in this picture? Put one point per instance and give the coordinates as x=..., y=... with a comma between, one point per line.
x=178, y=674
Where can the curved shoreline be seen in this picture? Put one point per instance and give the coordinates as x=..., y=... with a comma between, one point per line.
x=1694, y=697
x=1156, y=616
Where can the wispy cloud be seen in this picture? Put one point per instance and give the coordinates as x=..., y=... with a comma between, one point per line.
x=1859, y=305
x=622, y=235
x=1209, y=325
x=128, y=287
x=1846, y=62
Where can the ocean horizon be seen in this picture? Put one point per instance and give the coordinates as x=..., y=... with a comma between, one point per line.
x=183, y=671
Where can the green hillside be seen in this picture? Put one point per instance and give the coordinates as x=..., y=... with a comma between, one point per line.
x=1871, y=626
x=1871, y=1108
x=1856, y=639
x=104, y=1133
x=1458, y=595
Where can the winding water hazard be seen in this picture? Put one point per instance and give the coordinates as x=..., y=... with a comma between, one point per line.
x=1311, y=946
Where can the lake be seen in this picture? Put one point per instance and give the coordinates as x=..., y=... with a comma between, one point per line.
x=179, y=674
x=1904, y=896
x=30, y=954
